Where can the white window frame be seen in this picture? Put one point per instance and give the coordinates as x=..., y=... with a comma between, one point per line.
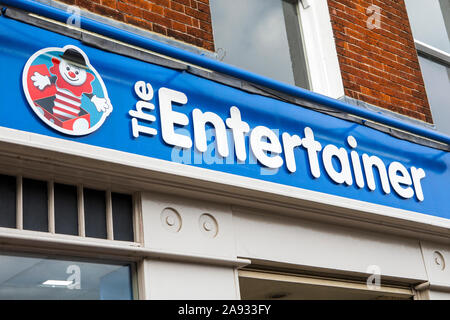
x=437, y=56
x=432, y=53
x=320, y=48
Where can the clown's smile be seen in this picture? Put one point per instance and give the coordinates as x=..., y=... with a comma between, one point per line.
x=74, y=75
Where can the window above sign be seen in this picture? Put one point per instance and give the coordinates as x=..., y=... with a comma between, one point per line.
x=287, y=40
x=430, y=24
x=262, y=36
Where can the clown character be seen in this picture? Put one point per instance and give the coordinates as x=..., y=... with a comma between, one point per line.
x=72, y=80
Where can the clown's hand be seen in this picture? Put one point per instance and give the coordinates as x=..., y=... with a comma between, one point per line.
x=102, y=105
x=40, y=81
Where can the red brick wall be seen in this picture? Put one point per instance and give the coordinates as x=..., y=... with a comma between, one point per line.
x=380, y=65
x=185, y=20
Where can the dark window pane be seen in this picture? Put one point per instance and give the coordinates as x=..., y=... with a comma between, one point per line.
x=122, y=210
x=66, y=209
x=35, y=205
x=7, y=201
x=95, y=213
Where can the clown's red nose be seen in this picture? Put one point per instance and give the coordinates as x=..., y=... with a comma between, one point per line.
x=71, y=74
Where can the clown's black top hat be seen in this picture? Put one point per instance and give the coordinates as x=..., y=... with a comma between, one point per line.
x=75, y=57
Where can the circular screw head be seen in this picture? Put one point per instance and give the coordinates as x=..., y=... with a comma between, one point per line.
x=171, y=220
x=438, y=260
x=208, y=225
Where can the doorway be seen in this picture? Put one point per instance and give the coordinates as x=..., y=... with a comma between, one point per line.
x=263, y=285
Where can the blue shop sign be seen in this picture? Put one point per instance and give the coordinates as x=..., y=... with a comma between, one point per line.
x=56, y=86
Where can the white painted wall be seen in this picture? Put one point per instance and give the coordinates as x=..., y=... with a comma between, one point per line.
x=192, y=237
x=174, y=224
x=439, y=295
x=274, y=240
x=324, y=70
x=437, y=262
x=180, y=281
x=314, y=245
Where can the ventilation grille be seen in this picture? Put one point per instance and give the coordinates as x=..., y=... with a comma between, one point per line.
x=46, y=206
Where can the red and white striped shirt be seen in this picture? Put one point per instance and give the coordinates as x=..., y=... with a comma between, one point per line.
x=67, y=105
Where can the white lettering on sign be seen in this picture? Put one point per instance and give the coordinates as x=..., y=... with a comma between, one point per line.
x=260, y=147
x=145, y=93
x=313, y=147
x=397, y=180
x=239, y=129
x=289, y=143
x=369, y=163
x=342, y=166
x=417, y=175
x=200, y=119
x=170, y=118
x=356, y=162
x=345, y=173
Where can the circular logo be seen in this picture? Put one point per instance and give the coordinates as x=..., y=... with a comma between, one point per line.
x=65, y=91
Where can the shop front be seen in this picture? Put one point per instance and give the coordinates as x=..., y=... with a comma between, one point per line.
x=129, y=171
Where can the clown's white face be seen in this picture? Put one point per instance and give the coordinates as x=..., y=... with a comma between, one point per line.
x=74, y=75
